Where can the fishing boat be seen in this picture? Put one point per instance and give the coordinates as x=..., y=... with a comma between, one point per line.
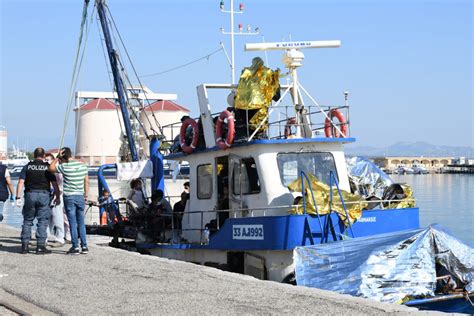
x=256, y=185
x=269, y=178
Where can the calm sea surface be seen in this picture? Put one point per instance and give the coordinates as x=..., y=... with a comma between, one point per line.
x=446, y=199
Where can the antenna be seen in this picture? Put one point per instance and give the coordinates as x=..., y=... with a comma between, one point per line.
x=232, y=33
x=292, y=45
x=293, y=59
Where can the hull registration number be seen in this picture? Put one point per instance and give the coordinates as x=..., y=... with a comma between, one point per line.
x=247, y=232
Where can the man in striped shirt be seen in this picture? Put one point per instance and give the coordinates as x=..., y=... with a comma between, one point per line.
x=75, y=190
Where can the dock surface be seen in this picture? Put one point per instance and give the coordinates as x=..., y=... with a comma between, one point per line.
x=114, y=281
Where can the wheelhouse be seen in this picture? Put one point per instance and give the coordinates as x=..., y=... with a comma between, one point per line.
x=255, y=177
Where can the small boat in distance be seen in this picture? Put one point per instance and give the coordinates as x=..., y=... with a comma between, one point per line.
x=419, y=169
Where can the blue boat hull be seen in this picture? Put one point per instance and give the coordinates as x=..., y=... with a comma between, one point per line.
x=289, y=231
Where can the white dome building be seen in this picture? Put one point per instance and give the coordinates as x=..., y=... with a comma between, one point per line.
x=98, y=134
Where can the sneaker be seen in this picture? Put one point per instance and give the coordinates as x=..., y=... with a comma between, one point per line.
x=73, y=251
x=84, y=250
x=42, y=250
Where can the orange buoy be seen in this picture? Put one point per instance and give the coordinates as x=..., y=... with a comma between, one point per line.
x=182, y=136
x=221, y=143
x=330, y=130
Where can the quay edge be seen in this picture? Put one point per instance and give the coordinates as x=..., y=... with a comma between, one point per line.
x=114, y=281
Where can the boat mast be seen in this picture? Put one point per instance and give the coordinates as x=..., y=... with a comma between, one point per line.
x=232, y=33
x=118, y=82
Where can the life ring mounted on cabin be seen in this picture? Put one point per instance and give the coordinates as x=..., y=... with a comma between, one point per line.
x=182, y=136
x=329, y=126
x=289, y=123
x=221, y=143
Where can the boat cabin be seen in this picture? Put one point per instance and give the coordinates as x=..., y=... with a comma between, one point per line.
x=254, y=177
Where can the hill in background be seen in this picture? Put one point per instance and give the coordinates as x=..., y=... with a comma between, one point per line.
x=411, y=149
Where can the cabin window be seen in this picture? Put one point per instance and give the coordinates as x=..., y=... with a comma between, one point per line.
x=204, y=181
x=245, y=177
x=318, y=164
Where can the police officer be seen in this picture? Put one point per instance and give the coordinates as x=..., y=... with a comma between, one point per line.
x=37, y=181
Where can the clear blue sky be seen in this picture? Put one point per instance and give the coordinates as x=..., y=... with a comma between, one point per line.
x=407, y=64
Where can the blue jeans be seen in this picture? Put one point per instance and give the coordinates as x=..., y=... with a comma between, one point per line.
x=1, y=210
x=36, y=206
x=74, y=205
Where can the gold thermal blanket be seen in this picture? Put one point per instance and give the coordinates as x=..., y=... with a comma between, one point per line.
x=257, y=86
x=354, y=203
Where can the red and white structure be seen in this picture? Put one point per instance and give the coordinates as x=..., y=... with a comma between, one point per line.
x=99, y=135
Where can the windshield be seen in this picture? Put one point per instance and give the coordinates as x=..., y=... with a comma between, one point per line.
x=318, y=164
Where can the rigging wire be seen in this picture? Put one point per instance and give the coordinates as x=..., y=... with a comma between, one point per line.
x=79, y=108
x=126, y=81
x=136, y=75
x=183, y=65
x=109, y=72
x=76, y=68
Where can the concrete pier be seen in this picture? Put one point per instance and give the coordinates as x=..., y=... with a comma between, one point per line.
x=113, y=281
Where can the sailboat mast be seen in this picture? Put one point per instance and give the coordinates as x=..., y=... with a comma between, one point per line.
x=118, y=82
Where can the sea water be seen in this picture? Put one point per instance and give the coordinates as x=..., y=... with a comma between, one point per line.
x=446, y=199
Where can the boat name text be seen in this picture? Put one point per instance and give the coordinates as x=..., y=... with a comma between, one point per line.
x=368, y=220
x=247, y=232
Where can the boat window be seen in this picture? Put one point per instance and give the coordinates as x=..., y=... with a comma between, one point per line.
x=204, y=181
x=317, y=163
x=245, y=177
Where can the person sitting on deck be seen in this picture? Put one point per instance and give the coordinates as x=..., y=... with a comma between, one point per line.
x=223, y=205
x=164, y=207
x=136, y=193
x=110, y=207
x=147, y=220
x=178, y=210
x=114, y=218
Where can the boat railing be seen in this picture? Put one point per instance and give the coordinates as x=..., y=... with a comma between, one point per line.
x=279, y=123
x=282, y=123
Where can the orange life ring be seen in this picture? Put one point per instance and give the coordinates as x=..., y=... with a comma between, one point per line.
x=221, y=143
x=329, y=129
x=182, y=135
x=290, y=122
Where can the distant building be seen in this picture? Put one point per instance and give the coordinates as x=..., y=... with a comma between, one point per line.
x=100, y=128
x=98, y=134
x=430, y=163
x=463, y=161
x=3, y=143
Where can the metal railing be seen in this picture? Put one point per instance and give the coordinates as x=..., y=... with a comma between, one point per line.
x=269, y=211
x=333, y=180
x=275, y=125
